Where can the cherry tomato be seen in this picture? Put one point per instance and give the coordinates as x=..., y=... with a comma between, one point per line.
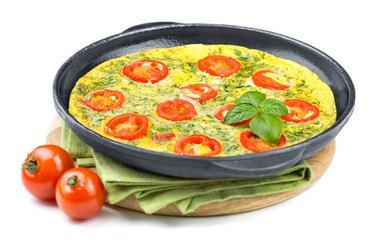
x=176, y=110
x=163, y=137
x=146, y=71
x=222, y=111
x=80, y=193
x=200, y=92
x=300, y=111
x=42, y=168
x=269, y=80
x=198, y=145
x=255, y=144
x=127, y=126
x=218, y=65
x=103, y=100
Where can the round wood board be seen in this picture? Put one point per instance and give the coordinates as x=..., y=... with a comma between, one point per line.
x=319, y=164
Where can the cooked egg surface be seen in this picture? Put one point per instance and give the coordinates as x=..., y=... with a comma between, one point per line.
x=144, y=98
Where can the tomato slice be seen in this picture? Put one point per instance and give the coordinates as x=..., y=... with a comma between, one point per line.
x=218, y=65
x=270, y=80
x=255, y=144
x=223, y=110
x=300, y=111
x=200, y=92
x=146, y=71
x=198, y=145
x=127, y=126
x=176, y=110
x=163, y=137
x=103, y=100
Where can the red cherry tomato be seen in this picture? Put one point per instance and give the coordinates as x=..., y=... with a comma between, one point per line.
x=198, y=145
x=163, y=137
x=146, y=71
x=200, y=92
x=42, y=168
x=103, y=100
x=262, y=79
x=176, y=110
x=80, y=193
x=127, y=126
x=218, y=65
x=222, y=111
x=253, y=143
x=300, y=111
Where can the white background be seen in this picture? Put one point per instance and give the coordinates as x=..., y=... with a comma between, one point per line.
x=37, y=37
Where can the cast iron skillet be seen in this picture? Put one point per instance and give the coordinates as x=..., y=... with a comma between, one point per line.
x=167, y=34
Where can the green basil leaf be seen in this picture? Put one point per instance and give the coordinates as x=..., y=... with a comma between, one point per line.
x=239, y=113
x=273, y=106
x=252, y=97
x=268, y=127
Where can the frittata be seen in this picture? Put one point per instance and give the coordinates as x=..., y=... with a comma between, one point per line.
x=174, y=100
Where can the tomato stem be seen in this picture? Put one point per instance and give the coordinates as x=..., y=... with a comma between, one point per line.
x=30, y=166
x=72, y=181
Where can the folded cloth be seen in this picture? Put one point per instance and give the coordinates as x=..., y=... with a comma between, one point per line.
x=154, y=192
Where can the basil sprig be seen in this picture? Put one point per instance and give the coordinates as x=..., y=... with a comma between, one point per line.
x=265, y=114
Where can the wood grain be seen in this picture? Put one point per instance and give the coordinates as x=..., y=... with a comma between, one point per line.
x=319, y=164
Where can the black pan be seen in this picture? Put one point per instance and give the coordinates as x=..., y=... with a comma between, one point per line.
x=166, y=34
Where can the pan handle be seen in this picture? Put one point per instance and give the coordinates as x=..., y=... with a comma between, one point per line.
x=241, y=166
x=149, y=25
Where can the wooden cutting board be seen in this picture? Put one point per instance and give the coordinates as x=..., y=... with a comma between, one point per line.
x=319, y=164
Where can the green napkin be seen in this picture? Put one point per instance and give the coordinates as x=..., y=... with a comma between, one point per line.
x=154, y=192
